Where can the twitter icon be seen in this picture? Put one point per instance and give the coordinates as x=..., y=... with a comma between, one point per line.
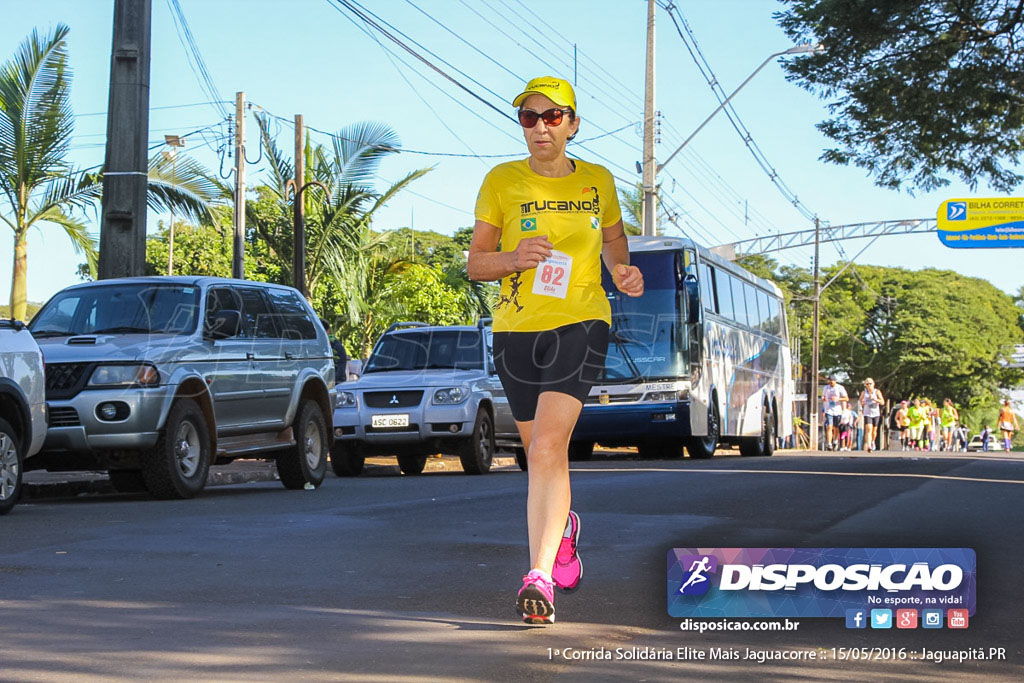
x=881, y=618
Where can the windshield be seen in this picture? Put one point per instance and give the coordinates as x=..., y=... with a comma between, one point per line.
x=427, y=350
x=647, y=332
x=119, y=309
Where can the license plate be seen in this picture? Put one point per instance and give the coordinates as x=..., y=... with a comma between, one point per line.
x=387, y=421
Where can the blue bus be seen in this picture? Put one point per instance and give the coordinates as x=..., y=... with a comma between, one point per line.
x=701, y=359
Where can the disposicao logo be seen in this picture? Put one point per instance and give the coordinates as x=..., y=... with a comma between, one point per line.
x=817, y=582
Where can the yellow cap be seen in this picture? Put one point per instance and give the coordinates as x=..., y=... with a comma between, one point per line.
x=557, y=90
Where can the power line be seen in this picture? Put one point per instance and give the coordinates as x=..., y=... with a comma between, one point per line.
x=196, y=60
x=170, y=106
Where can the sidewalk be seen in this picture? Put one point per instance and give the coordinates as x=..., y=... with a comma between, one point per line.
x=40, y=484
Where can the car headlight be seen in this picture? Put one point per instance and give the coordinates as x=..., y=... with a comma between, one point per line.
x=450, y=395
x=139, y=375
x=680, y=395
x=346, y=399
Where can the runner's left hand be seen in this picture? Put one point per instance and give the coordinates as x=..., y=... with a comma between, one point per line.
x=628, y=280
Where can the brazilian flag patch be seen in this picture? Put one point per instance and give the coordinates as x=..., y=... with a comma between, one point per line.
x=527, y=224
x=594, y=222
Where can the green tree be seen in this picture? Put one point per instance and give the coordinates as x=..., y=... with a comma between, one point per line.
x=632, y=202
x=917, y=89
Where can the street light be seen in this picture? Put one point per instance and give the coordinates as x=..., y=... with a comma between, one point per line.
x=172, y=141
x=795, y=50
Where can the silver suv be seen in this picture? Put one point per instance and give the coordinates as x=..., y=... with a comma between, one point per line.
x=424, y=390
x=154, y=379
x=22, y=407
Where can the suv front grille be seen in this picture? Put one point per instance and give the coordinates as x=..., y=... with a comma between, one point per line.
x=63, y=416
x=65, y=380
x=393, y=399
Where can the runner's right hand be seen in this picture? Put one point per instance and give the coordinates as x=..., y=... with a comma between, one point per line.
x=531, y=252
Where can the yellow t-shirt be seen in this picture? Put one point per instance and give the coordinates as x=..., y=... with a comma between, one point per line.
x=571, y=211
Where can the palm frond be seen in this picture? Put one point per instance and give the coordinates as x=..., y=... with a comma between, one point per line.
x=359, y=148
x=181, y=183
x=397, y=187
x=79, y=190
x=75, y=229
x=281, y=169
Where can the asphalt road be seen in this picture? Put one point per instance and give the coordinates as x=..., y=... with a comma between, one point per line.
x=387, y=577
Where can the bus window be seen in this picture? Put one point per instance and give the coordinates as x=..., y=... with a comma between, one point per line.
x=753, y=315
x=765, y=325
x=707, y=288
x=724, y=292
x=738, y=301
x=776, y=319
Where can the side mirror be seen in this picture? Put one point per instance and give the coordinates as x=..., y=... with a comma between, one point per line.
x=692, y=292
x=223, y=325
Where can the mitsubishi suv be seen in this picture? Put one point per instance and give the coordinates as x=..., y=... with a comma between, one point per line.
x=424, y=390
x=22, y=407
x=154, y=379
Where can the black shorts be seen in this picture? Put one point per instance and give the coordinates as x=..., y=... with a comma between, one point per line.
x=874, y=420
x=567, y=360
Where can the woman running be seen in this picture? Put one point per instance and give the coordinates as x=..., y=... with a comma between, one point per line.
x=871, y=401
x=949, y=418
x=1007, y=424
x=554, y=219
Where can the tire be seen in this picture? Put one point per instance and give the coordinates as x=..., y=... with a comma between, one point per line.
x=412, y=464
x=580, y=451
x=477, y=453
x=521, y=458
x=306, y=461
x=346, y=460
x=660, y=450
x=703, y=447
x=177, y=466
x=11, y=466
x=127, y=481
x=761, y=445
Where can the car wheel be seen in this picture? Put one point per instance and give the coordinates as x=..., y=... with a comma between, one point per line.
x=176, y=467
x=10, y=467
x=306, y=461
x=127, y=481
x=477, y=453
x=581, y=450
x=412, y=464
x=346, y=460
x=756, y=446
x=704, y=446
x=521, y=458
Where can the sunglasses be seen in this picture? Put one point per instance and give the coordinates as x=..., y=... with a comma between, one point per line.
x=552, y=117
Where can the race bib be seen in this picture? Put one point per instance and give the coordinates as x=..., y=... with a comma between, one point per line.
x=552, y=276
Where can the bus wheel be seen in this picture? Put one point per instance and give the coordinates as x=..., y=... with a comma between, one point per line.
x=764, y=444
x=704, y=446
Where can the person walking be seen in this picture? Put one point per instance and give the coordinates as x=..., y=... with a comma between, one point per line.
x=833, y=398
x=871, y=401
x=1007, y=424
x=948, y=418
x=846, y=421
x=339, y=353
x=554, y=219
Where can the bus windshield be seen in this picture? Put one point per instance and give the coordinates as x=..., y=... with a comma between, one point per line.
x=647, y=337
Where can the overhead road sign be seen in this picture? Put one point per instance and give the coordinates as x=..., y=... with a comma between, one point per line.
x=982, y=222
x=828, y=233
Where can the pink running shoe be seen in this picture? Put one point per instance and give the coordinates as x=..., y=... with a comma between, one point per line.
x=568, y=569
x=536, y=599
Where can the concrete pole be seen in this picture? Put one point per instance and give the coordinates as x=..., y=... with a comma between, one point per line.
x=812, y=392
x=299, y=255
x=125, y=177
x=650, y=168
x=238, y=244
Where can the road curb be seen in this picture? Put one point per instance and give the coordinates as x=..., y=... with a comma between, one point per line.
x=71, y=484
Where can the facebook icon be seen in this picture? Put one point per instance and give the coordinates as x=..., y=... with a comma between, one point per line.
x=856, y=618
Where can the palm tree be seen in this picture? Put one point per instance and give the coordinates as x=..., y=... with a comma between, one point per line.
x=40, y=186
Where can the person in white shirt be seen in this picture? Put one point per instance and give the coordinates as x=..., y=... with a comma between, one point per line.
x=833, y=398
x=871, y=401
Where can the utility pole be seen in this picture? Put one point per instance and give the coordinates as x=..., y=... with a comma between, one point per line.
x=174, y=142
x=812, y=392
x=650, y=199
x=125, y=175
x=238, y=244
x=299, y=255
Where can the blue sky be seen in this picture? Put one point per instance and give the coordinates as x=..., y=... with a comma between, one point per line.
x=306, y=56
